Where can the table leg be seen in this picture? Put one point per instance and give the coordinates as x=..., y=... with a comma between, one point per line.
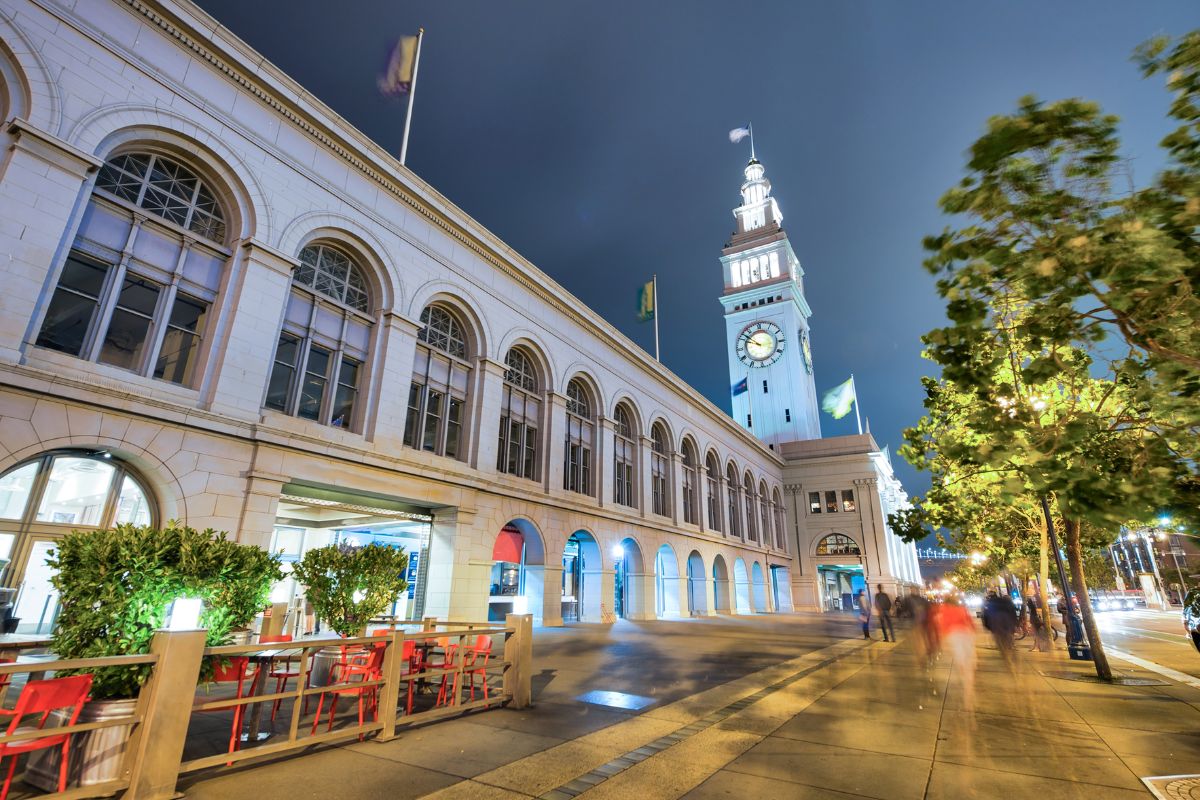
x=255, y=732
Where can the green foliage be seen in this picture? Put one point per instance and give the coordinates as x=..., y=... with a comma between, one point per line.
x=348, y=586
x=116, y=586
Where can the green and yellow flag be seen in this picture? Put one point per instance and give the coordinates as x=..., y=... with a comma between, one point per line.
x=839, y=400
x=645, y=302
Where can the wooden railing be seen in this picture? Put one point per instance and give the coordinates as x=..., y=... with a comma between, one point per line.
x=153, y=757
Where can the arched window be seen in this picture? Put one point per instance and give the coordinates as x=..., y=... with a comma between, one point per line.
x=748, y=494
x=581, y=437
x=46, y=498
x=764, y=511
x=660, y=470
x=137, y=292
x=520, y=416
x=733, y=508
x=318, y=368
x=624, y=457
x=691, y=483
x=780, y=522
x=437, y=398
x=836, y=544
x=712, y=473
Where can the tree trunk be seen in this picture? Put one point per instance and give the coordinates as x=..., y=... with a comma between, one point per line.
x=1044, y=579
x=1079, y=581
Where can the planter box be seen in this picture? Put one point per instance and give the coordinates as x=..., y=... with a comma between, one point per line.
x=95, y=755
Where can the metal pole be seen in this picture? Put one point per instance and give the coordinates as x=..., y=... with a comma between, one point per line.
x=857, y=415
x=1062, y=573
x=412, y=96
x=750, y=127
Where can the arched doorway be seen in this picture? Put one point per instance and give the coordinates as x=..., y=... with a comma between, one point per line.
x=47, y=497
x=517, y=581
x=629, y=582
x=721, y=586
x=781, y=587
x=582, y=579
x=697, y=583
x=741, y=588
x=666, y=583
x=758, y=588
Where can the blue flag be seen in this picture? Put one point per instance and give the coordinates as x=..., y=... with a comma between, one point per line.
x=740, y=387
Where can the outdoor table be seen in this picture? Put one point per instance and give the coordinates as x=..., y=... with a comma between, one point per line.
x=262, y=660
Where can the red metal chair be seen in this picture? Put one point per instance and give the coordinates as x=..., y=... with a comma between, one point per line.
x=372, y=670
x=42, y=697
x=233, y=672
x=449, y=661
x=281, y=675
x=475, y=663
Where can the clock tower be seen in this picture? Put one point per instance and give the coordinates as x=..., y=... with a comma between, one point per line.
x=766, y=322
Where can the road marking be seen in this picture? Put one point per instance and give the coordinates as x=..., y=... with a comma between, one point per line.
x=1152, y=634
x=1166, y=672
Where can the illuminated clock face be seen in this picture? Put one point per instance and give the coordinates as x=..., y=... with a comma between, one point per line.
x=806, y=349
x=760, y=344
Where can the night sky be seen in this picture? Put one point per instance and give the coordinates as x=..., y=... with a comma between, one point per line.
x=593, y=139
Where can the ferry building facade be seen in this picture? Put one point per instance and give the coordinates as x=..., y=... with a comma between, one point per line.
x=224, y=305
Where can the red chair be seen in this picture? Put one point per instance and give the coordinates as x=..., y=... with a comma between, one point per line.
x=233, y=672
x=449, y=661
x=475, y=663
x=372, y=670
x=42, y=697
x=280, y=674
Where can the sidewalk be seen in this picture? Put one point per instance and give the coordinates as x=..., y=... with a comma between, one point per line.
x=854, y=719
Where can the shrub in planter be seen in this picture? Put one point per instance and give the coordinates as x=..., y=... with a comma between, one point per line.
x=116, y=586
x=348, y=585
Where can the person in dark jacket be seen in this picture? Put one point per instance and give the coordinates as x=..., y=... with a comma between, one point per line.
x=864, y=612
x=1000, y=617
x=883, y=604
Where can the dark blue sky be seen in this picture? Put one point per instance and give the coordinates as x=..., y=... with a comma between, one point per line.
x=592, y=138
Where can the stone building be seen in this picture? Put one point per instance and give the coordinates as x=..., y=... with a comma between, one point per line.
x=224, y=305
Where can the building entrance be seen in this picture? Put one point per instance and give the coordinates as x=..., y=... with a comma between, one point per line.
x=839, y=585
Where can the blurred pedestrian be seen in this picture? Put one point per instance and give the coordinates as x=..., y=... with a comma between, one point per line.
x=883, y=604
x=864, y=612
x=918, y=608
x=1037, y=618
x=1000, y=618
x=956, y=630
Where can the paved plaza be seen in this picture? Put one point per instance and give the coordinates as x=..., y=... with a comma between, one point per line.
x=793, y=707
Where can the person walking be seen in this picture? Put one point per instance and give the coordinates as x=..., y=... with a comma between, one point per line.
x=864, y=612
x=957, y=632
x=883, y=604
x=918, y=607
x=1000, y=618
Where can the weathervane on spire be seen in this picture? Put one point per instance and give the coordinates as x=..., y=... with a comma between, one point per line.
x=737, y=134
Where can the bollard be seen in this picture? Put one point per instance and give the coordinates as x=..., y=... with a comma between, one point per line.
x=155, y=749
x=518, y=649
x=389, y=693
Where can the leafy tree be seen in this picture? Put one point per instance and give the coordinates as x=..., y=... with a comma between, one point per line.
x=348, y=586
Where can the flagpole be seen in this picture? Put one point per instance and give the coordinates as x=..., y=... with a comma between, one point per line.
x=412, y=96
x=750, y=126
x=749, y=404
x=654, y=282
x=857, y=415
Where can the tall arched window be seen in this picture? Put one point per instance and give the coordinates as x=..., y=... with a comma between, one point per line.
x=748, y=494
x=780, y=521
x=764, y=512
x=137, y=291
x=318, y=368
x=46, y=498
x=691, y=483
x=624, y=457
x=733, y=508
x=660, y=470
x=437, y=398
x=581, y=437
x=712, y=475
x=520, y=416
x=837, y=544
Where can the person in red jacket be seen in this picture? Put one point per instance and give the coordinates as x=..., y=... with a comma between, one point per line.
x=956, y=629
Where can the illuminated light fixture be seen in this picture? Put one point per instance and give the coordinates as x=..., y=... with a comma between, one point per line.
x=185, y=614
x=618, y=551
x=281, y=592
x=359, y=595
x=1164, y=520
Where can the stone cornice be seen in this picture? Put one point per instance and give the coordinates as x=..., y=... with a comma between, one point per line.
x=51, y=149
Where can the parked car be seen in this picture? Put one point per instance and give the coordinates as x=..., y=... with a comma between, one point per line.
x=1191, y=616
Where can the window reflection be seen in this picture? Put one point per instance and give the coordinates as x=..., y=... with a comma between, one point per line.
x=76, y=491
x=132, y=506
x=14, y=491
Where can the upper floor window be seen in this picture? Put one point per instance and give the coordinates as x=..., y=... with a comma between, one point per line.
x=836, y=544
x=624, y=457
x=691, y=483
x=660, y=470
x=136, y=293
x=848, y=500
x=751, y=524
x=733, y=507
x=437, y=398
x=520, y=417
x=580, y=440
x=764, y=512
x=831, y=502
x=323, y=347
x=814, y=502
x=712, y=477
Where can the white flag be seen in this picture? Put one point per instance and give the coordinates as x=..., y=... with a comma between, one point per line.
x=737, y=134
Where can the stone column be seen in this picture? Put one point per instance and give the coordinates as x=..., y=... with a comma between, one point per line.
x=723, y=596
x=257, y=525
x=458, y=582
x=598, y=585
x=643, y=485
x=639, y=596
x=391, y=380
x=489, y=394
x=675, y=487
x=702, y=596
x=874, y=531
x=603, y=468
x=40, y=186
x=553, y=443
x=251, y=314
x=552, y=595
